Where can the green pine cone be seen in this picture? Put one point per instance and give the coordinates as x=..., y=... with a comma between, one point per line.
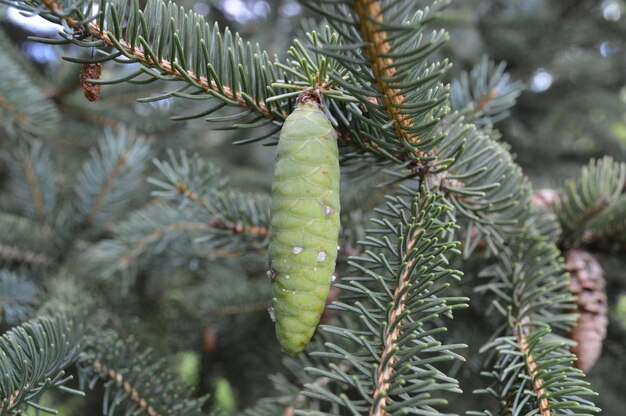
x=304, y=226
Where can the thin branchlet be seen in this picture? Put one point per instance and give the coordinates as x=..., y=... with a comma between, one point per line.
x=370, y=13
x=35, y=189
x=117, y=169
x=12, y=254
x=155, y=236
x=7, y=105
x=165, y=66
x=531, y=366
x=134, y=395
x=387, y=356
x=220, y=222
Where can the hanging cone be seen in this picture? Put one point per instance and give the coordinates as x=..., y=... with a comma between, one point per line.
x=90, y=71
x=588, y=285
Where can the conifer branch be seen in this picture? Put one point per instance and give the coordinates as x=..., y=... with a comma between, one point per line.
x=588, y=197
x=532, y=369
x=13, y=254
x=34, y=357
x=25, y=110
x=166, y=67
x=104, y=190
x=32, y=181
x=155, y=236
x=119, y=379
x=388, y=355
x=383, y=66
x=531, y=366
x=177, y=70
x=108, y=177
x=485, y=94
x=134, y=380
x=191, y=179
x=17, y=297
x=26, y=242
x=219, y=222
x=31, y=177
x=4, y=102
x=609, y=227
x=395, y=293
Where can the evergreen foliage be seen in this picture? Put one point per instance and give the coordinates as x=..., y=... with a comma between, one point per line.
x=531, y=291
x=18, y=297
x=397, y=292
x=34, y=358
x=97, y=243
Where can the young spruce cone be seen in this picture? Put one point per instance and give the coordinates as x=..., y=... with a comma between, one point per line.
x=588, y=285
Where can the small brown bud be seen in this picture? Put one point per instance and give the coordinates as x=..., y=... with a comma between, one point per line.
x=87, y=72
x=209, y=339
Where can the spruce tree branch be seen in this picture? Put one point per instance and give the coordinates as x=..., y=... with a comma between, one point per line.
x=4, y=102
x=118, y=378
x=12, y=254
x=219, y=222
x=155, y=236
x=163, y=65
x=117, y=169
x=383, y=66
x=238, y=228
x=319, y=382
x=35, y=189
x=167, y=68
x=531, y=367
x=239, y=309
x=378, y=49
x=388, y=356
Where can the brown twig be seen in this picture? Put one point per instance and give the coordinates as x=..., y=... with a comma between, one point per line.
x=118, y=378
x=4, y=102
x=31, y=178
x=384, y=372
x=531, y=367
x=16, y=254
x=117, y=169
x=378, y=49
x=238, y=228
x=163, y=65
x=212, y=87
x=220, y=222
x=14, y=396
x=155, y=235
